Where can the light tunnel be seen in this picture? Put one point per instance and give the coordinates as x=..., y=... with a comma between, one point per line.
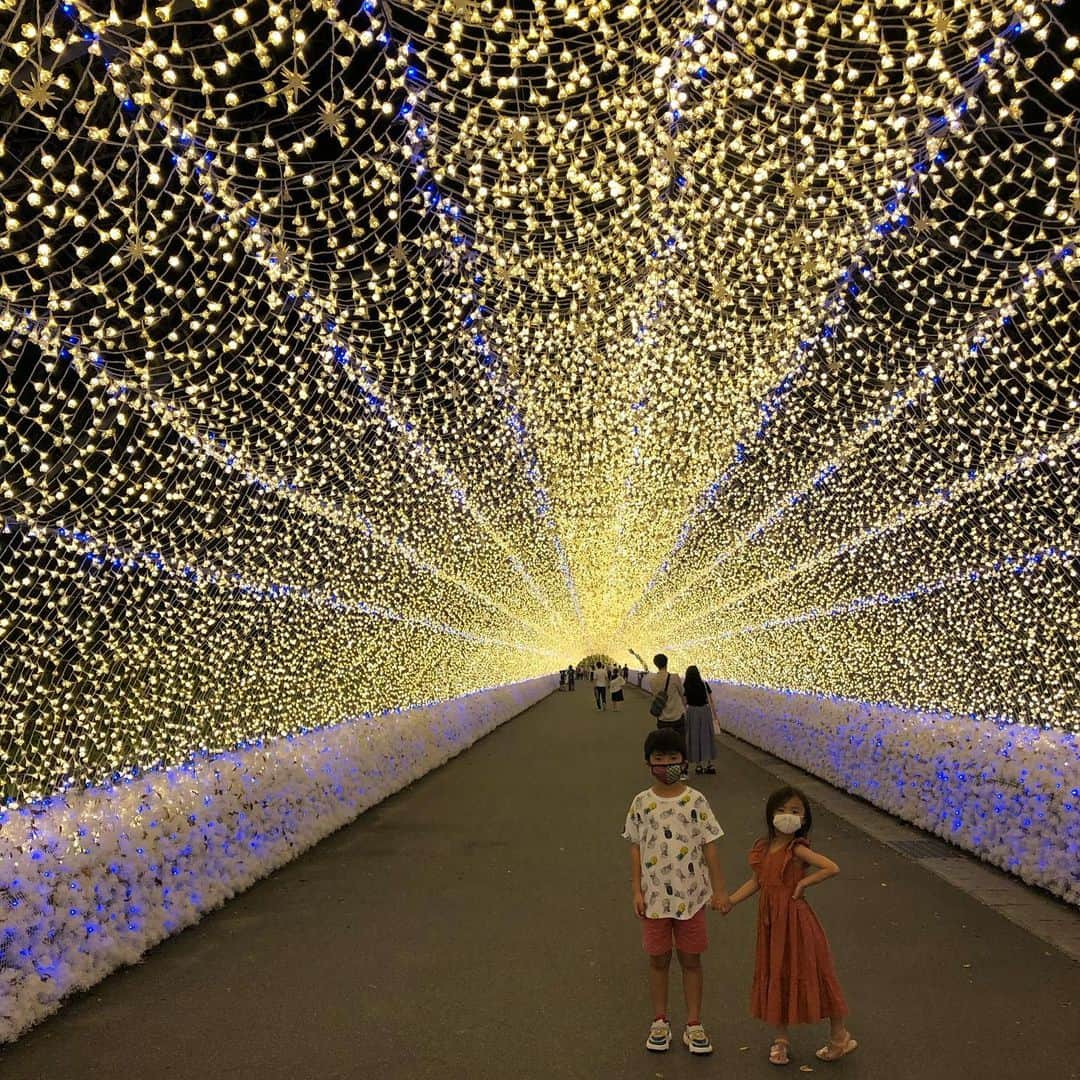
x=366, y=363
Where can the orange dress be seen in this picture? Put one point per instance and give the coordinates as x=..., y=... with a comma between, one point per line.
x=794, y=978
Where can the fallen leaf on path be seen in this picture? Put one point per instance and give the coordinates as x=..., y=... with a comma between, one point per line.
x=744, y=1047
x=805, y=1068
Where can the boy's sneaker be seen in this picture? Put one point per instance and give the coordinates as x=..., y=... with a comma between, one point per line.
x=659, y=1036
x=697, y=1042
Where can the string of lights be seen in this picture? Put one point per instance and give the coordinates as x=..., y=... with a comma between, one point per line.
x=358, y=355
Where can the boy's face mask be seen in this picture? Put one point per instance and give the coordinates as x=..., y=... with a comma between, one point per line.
x=667, y=774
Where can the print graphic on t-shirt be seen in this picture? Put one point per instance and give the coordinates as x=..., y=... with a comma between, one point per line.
x=671, y=834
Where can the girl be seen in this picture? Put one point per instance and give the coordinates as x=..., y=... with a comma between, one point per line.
x=794, y=978
x=617, y=684
x=699, y=721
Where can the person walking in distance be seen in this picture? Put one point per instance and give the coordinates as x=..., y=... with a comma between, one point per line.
x=617, y=685
x=600, y=684
x=571, y=676
x=667, y=683
x=699, y=722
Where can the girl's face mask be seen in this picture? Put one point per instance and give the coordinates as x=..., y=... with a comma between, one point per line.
x=788, y=824
x=667, y=774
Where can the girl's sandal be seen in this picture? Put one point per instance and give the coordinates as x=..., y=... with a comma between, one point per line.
x=778, y=1052
x=838, y=1049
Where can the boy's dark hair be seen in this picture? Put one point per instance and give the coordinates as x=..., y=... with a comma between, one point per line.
x=777, y=799
x=665, y=741
x=660, y=660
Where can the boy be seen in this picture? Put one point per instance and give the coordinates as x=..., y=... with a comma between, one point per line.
x=673, y=834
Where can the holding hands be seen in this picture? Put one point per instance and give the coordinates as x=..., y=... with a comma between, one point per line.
x=721, y=902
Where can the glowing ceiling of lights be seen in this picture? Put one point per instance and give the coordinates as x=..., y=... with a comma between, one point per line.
x=367, y=354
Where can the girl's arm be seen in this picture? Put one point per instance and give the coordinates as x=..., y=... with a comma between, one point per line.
x=720, y=899
x=826, y=868
x=744, y=891
x=635, y=880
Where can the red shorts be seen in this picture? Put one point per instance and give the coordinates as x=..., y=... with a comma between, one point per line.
x=690, y=935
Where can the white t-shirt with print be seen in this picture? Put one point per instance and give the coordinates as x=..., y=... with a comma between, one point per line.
x=675, y=706
x=671, y=834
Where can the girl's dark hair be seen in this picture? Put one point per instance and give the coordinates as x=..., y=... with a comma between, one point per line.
x=692, y=680
x=777, y=799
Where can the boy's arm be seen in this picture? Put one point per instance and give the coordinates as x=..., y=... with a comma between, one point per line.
x=635, y=880
x=720, y=899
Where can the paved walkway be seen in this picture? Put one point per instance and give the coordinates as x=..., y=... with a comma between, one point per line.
x=478, y=925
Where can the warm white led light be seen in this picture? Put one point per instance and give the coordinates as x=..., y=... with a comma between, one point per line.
x=364, y=354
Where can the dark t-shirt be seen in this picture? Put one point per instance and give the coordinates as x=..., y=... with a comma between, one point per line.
x=697, y=696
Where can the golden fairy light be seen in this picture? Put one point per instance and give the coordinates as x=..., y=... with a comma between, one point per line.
x=364, y=354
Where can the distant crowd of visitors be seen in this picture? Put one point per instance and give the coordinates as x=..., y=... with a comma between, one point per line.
x=604, y=678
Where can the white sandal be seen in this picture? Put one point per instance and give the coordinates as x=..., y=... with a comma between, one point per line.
x=778, y=1052
x=836, y=1049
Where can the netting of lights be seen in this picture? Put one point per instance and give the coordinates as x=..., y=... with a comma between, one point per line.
x=367, y=354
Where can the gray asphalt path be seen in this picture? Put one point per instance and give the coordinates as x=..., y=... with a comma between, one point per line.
x=478, y=925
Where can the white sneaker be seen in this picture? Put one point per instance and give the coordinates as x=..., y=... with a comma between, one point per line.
x=659, y=1036
x=697, y=1042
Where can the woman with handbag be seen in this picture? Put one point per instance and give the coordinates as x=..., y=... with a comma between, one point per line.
x=699, y=722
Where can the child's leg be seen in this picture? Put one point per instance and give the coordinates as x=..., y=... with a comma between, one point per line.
x=840, y=1041
x=658, y=982
x=692, y=980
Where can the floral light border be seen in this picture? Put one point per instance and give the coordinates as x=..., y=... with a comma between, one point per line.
x=1006, y=792
x=91, y=879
